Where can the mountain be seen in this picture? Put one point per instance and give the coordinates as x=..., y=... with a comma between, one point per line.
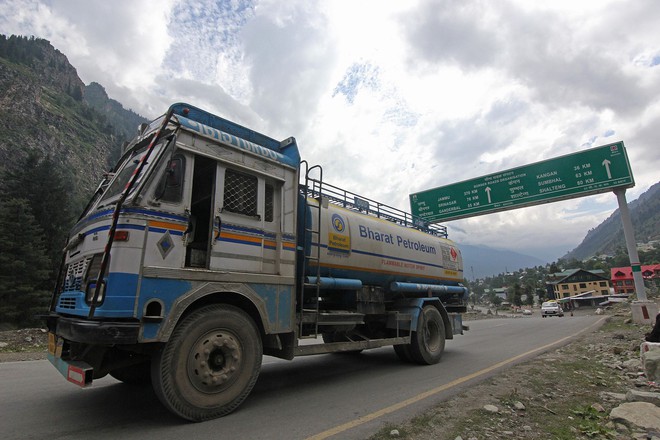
x=46, y=109
x=123, y=121
x=608, y=236
x=481, y=261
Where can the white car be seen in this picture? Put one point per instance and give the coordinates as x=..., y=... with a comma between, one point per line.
x=551, y=308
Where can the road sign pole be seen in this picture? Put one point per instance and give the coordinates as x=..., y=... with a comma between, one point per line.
x=641, y=307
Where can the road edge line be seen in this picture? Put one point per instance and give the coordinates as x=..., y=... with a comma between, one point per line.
x=419, y=397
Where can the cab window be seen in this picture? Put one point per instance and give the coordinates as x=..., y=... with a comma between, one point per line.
x=170, y=186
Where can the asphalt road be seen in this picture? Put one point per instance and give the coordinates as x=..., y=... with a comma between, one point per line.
x=325, y=396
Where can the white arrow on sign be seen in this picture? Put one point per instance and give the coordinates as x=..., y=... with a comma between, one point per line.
x=606, y=164
x=488, y=194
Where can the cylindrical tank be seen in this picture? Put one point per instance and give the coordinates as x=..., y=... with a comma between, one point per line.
x=375, y=251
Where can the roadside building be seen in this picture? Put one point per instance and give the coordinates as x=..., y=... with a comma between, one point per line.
x=574, y=282
x=500, y=292
x=622, y=277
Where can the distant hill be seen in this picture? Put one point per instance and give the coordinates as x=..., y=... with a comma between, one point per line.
x=46, y=108
x=608, y=236
x=481, y=262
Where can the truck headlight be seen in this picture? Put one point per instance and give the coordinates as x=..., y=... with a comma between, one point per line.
x=91, y=289
x=90, y=281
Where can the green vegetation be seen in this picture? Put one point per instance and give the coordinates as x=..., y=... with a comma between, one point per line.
x=35, y=216
x=24, y=264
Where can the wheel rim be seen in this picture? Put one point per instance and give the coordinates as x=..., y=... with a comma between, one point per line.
x=431, y=336
x=215, y=362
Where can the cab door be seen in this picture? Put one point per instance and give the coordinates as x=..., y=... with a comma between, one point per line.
x=200, y=223
x=246, y=226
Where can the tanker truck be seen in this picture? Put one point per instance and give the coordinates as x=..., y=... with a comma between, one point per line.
x=210, y=245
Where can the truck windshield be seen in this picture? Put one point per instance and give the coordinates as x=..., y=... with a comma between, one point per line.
x=124, y=173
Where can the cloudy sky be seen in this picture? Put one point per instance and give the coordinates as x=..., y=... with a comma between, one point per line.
x=392, y=97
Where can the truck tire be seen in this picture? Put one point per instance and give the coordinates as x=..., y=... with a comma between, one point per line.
x=209, y=365
x=428, y=342
x=137, y=375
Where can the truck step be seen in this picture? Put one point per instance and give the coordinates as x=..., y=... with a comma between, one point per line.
x=332, y=317
x=334, y=347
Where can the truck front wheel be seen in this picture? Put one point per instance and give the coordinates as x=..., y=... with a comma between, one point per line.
x=209, y=365
x=428, y=342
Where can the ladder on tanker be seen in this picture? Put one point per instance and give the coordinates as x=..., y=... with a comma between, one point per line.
x=312, y=241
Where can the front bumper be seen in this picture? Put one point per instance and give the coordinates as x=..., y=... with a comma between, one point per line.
x=65, y=331
x=94, y=332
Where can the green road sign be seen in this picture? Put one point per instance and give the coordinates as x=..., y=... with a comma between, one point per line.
x=592, y=171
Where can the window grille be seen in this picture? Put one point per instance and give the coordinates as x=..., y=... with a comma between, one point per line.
x=269, y=203
x=240, y=193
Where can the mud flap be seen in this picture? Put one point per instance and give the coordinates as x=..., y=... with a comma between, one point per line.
x=456, y=320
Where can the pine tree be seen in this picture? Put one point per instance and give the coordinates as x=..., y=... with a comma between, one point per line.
x=48, y=195
x=517, y=294
x=528, y=289
x=24, y=265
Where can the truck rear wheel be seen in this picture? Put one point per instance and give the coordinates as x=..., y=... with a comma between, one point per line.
x=209, y=365
x=428, y=342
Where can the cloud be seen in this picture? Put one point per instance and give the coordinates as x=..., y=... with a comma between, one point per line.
x=444, y=31
x=288, y=50
x=392, y=97
x=206, y=45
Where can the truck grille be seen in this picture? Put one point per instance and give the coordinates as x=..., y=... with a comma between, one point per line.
x=74, y=275
x=67, y=302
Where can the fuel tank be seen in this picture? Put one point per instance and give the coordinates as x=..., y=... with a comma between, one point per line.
x=374, y=250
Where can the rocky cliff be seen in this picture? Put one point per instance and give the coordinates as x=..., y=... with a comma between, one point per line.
x=42, y=108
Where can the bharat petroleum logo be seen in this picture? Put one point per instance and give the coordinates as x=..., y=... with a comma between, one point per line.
x=338, y=223
x=454, y=254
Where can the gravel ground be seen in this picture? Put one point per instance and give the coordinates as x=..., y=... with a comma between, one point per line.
x=566, y=393
x=28, y=344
